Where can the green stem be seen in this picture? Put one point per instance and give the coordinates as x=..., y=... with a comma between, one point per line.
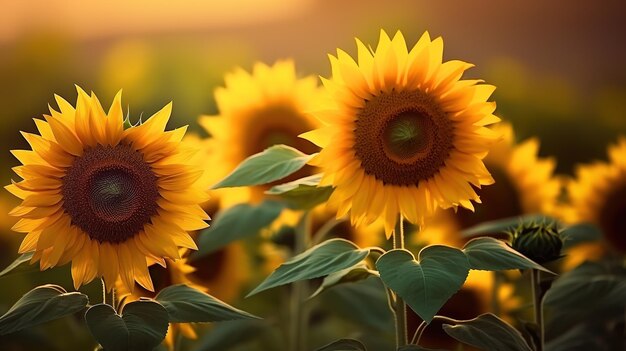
x=104, y=291
x=422, y=327
x=299, y=314
x=399, y=306
x=418, y=333
x=535, y=278
x=113, y=299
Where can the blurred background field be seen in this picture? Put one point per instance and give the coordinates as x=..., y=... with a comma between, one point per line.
x=559, y=66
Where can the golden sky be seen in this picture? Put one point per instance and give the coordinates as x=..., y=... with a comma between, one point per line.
x=96, y=18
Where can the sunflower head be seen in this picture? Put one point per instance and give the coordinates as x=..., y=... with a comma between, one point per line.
x=598, y=196
x=106, y=198
x=402, y=133
x=257, y=110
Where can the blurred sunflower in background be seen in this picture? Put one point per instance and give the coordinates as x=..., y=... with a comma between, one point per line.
x=524, y=184
x=224, y=272
x=598, y=195
x=107, y=198
x=163, y=275
x=257, y=110
x=402, y=134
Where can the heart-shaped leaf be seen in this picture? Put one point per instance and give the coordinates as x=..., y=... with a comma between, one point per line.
x=12, y=268
x=141, y=327
x=343, y=345
x=489, y=254
x=147, y=323
x=304, y=193
x=107, y=327
x=42, y=304
x=274, y=163
x=425, y=284
x=488, y=332
x=320, y=260
x=236, y=223
x=185, y=304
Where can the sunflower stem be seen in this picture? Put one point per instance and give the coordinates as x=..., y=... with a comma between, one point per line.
x=113, y=299
x=104, y=291
x=399, y=306
x=418, y=333
x=535, y=278
x=299, y=314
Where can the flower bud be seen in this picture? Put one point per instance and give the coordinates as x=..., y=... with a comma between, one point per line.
x=540, y=242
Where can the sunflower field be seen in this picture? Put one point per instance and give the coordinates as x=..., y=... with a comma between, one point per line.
x=313, y=175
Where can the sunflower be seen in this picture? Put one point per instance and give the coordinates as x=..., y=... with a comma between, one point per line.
x=225, y=271
x=524, y=184
x=106, y=198
x=598, y=196
x=164, y=275
x=402, y=133
x=257, y=111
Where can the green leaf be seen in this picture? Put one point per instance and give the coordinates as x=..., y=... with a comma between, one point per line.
x=236, y=223
x=349, y=275
x=579, y=337
x=503, y=225
x=347, y=301
x=580, y=233
x=17, y=263
x=425, y=284
x=42, y=304
x=274, y=163
x=303, y=193
x=141, y=327
x=107, y=327
x=147, y=323
x=343, y=345
x=588, y=287
x=320, y=260
x=488, y=332
x=185, y=304
x=489, y=254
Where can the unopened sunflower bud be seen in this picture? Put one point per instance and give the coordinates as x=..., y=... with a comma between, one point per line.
x=538, y=241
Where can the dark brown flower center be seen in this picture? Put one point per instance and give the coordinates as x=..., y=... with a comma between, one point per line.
x=403, y=138
x=499, y=200
x=110, y=193
x=611, y=218
x=279, y=124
